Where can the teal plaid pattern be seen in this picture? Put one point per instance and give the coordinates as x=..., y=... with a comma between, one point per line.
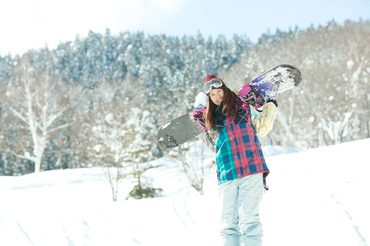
x=238, y=150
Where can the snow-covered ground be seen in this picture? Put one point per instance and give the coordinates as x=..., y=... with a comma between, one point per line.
x=317, y=197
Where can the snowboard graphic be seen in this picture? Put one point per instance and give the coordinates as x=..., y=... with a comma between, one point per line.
x=256, y=92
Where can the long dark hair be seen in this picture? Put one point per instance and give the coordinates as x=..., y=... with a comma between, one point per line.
x=230, y=106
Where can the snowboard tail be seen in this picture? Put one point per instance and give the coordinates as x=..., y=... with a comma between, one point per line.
x=179, y=130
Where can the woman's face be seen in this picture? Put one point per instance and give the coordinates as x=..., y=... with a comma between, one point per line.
x=217, y=96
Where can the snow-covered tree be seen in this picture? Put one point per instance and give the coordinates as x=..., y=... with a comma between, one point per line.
x=163, y=74
x=38, y=100
x=110, y=138
x=140, y=150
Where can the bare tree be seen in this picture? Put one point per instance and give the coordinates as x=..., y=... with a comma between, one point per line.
x=118, y=134
x=195, y=164
x=109, y=138
x=37, y=99
x=104, y=133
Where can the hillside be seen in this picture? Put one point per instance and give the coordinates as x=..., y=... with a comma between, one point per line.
x=317, y=197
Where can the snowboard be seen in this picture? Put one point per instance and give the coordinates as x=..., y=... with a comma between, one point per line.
x=256, y=93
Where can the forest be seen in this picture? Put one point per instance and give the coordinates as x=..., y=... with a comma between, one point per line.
x=99, y=100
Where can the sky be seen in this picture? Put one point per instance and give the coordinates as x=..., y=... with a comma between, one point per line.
x=32, y=24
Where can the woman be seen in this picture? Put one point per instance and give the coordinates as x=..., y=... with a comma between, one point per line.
x=232, y=128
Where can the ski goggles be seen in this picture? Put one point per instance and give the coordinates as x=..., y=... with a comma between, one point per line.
x=214, y=83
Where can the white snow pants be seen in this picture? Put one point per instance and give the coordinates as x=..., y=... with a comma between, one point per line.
x=240, y=201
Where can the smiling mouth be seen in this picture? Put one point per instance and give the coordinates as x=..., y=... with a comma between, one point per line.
x=220, y=100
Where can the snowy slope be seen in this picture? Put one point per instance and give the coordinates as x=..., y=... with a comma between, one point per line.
x=317, y=197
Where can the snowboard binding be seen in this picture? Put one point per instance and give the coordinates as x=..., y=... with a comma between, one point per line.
x=253, y=97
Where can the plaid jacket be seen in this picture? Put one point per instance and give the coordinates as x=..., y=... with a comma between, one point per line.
x=238, y=150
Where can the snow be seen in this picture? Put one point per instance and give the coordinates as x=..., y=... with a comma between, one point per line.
x=317, y=197
x=350, y=64
x=166, y=125
x=278, y=150
x=200, y=100
x=109, y=118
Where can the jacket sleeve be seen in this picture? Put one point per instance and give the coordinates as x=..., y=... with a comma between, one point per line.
x=263, y=122
x=209, y=140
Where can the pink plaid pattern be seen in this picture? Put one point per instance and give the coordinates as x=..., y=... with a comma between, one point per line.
x=239, y=152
